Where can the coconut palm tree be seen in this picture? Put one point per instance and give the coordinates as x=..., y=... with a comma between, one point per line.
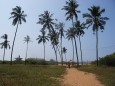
x=71, y=33
x=70, y=36
x=18, y=16
x=46, y=20
x=79, y=28
x=60, y=27
x=71, y=8
x=4, y=44
x=27, y=40
x=71, y=12
x=95, y=19
x=43, y=38
x=65, y=51
x=54, y=37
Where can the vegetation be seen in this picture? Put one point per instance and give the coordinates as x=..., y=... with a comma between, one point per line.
x=43, y=38
x=53, y=30
x=5, y=44
x=18, y=16
x=27, y=40
x=95, y=19
x=105, y=74
x=108, y=60
x=20, y=75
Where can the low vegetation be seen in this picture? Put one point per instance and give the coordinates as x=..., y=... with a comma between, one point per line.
x=30, y=75
x=108, y=60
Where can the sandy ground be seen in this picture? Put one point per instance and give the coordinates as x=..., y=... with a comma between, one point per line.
x=75, y=77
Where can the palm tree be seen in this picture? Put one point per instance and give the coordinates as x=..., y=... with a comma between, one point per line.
x=65, y=51
x=5, y=44
x=70, y=36
x=54, y=37
x=95, y=19
x=60, y=27
x=46, y=20
x=71, y=8
x=71, y=33
x=18, y=16
x=43, y=38
x=79, y=28
x=27, y=40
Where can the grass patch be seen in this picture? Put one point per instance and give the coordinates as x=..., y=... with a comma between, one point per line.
x=104, y=74
x=28, y=75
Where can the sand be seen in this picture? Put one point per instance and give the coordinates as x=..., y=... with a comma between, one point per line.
x=75, y=77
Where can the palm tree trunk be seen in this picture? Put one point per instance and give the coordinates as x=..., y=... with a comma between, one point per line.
x=55, y=53
x=61, y=52
x=44, y=51
x=73, y=50
x=97, y=47
x=65, y=58
x=80, y=50
x=76, y=52
x=3, y=55
x=72, y=40
x=26, y=53
x=13, y=45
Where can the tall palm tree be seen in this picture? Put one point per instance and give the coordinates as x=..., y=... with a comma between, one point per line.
x=46, y=20
x=5, y=44
x=71, y=8
x=70, y=36
x=18, y=16
x=71, y=12
x=72, y=33
x=54, y=37
x=79, y=28
x=43, y=38
x=65, y=51
x=27, y=39
x=60, y=27
x=95, y=19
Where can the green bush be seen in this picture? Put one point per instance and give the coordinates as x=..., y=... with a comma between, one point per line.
x=38, y=61
x=108, y=60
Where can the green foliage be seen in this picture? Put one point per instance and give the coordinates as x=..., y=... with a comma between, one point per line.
x=30, y=75
x=108, y=60
x=36, y=61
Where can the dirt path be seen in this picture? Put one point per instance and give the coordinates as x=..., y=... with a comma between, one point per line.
x=75, y=77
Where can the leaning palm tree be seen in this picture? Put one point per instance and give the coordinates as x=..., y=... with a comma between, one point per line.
x=95, y=19
x=43, y=38
x=18, y=16
x=79, y=28
x=54, y=37
x=60, y=27
x=5, y=44
x=46, y=20
x=65, y=51
x=27, y=40
x=71, y=8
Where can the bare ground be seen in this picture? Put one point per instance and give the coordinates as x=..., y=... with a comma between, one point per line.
x=75, y=77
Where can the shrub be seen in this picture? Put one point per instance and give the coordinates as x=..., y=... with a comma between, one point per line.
x=108, y=60
x=38, y=61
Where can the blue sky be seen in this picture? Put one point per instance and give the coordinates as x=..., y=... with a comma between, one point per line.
x=33, y=8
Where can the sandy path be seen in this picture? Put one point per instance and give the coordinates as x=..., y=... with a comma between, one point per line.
x=75, y=77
